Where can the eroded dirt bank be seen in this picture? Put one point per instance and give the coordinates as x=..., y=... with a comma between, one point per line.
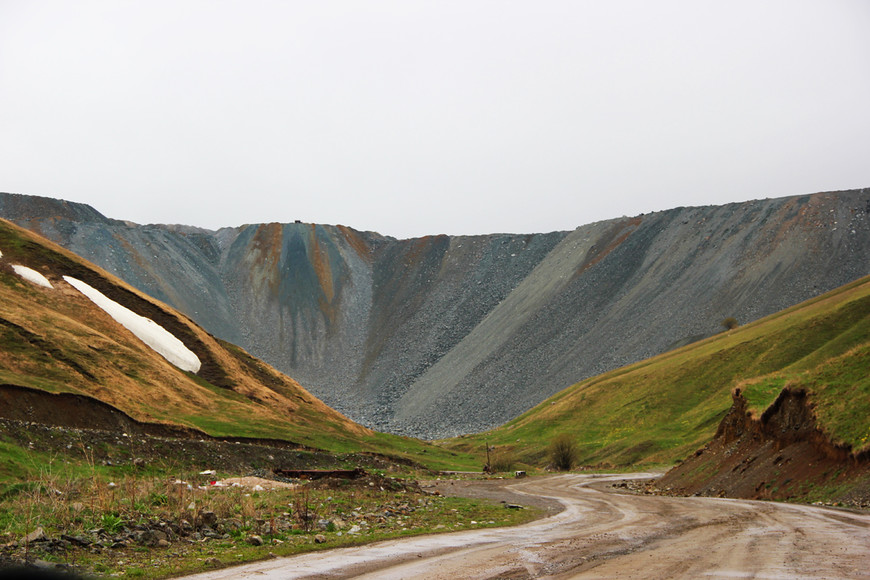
x=604, y=534
x=780, y=455
x=67, y=423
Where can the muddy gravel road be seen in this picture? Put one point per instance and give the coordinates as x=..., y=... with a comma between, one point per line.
x=601, y=533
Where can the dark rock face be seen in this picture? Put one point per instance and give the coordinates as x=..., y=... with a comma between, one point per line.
x=442, y=335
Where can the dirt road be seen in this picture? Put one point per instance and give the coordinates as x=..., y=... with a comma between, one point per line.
x=604, y=534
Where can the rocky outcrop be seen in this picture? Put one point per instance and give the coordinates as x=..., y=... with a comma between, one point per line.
x=780, y=455
x=442, y=335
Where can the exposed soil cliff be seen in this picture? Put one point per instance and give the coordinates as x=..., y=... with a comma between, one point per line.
x=780, y=455
x=442, y=335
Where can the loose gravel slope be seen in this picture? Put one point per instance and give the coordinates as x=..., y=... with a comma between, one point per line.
x=441, y=335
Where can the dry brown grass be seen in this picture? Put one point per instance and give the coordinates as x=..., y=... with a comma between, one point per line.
x=64, y=343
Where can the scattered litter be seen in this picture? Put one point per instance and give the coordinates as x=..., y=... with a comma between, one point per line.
x=255, y=483
x=208, y=472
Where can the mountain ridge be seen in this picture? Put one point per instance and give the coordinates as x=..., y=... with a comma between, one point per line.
x=58, y=340
x=444, y=335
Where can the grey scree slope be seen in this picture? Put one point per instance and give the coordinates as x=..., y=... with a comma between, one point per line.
x=442, y=335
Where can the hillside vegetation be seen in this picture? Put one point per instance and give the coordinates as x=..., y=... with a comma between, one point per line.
x=83, y=401
x=57, y=341
x=445, y=335
x=659, y=411
x=656, y=411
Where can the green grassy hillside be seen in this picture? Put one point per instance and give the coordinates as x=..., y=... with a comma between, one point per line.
x=660, y=410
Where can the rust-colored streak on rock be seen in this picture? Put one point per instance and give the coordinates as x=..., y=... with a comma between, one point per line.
x=418, y=248
x=132, y=251
x=617, y=235
x=267, y=240
x=356, y=242
x=267, y=243
x=320, y=262
x=808, y=215
x=267, y=253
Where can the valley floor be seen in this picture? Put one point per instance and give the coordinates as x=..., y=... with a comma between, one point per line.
x=602, y=533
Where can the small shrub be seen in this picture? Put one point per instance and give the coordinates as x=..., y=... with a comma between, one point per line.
x=158, y=499
x=502, y=461
x=563, y=452
x=111, y=523
x=730, y=323
x=303, y=510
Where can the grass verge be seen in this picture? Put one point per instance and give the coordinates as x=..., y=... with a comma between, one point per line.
x=163, y=519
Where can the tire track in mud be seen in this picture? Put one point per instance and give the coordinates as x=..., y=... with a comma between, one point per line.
x=604, y=534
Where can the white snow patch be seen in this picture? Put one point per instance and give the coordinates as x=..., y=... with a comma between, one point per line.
x=148, y=331
x=32, y=276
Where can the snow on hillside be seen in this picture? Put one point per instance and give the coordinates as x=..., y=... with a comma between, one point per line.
x=148, y=331
x=31, y=275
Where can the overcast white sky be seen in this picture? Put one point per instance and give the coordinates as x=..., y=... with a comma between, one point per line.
x=416, y=117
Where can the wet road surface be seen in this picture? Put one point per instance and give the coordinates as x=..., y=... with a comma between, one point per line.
x=605, y=534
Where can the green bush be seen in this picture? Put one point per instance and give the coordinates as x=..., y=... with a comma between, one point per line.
x=502, y=461
x=112, y=523
x=158, y=499
x=563, y=452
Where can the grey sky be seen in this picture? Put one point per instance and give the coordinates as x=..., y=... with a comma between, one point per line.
x=411, y=118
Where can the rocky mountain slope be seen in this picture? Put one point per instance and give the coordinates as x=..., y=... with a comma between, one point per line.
x=443, y=335
x=797, y=385
x=69, y=360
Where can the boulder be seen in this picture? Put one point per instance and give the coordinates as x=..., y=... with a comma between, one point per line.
x=208, y=518
x=255, y=540
x=37, y=535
